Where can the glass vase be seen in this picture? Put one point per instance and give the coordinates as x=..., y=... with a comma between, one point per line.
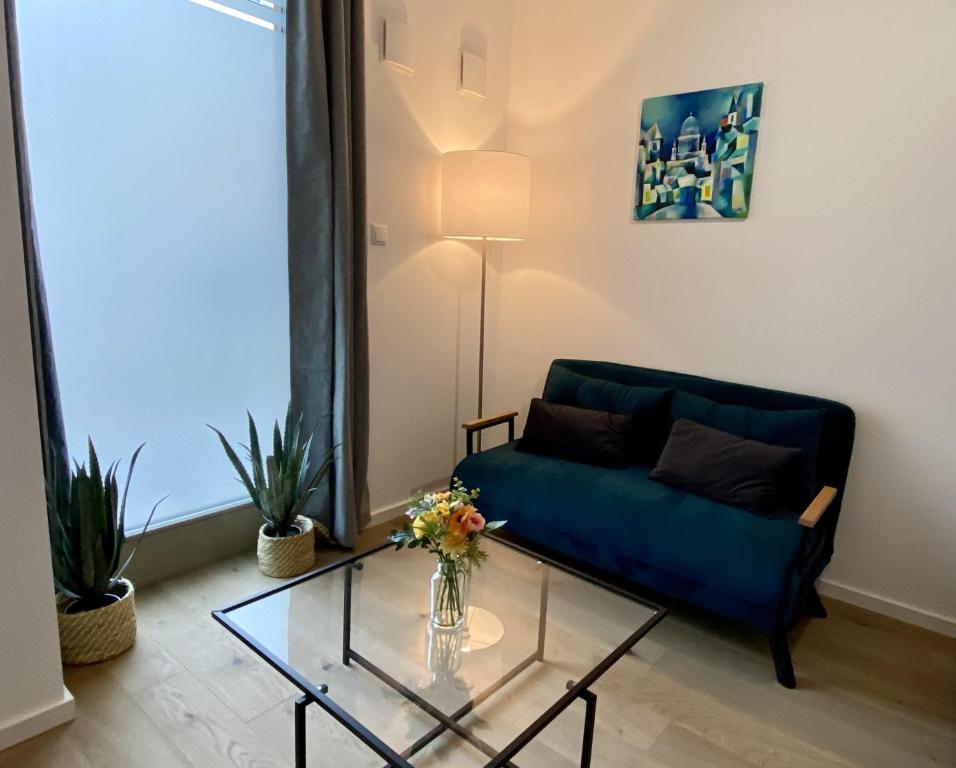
x=448, y=595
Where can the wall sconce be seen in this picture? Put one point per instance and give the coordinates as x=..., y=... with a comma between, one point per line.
x=398, y=49
x=472, y=75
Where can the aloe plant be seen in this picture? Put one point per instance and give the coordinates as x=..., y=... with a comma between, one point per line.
x=280, y=486
x=87, y=521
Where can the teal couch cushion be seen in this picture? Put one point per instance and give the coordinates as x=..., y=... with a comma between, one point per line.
x=787, y=428
x=647, y=406
x=638, y=526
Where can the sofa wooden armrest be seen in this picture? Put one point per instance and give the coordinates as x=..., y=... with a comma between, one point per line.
x=812, y=514
x=477, y=425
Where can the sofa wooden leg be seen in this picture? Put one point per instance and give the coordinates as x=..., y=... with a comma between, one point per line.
x=781, y=660
x=813, y=605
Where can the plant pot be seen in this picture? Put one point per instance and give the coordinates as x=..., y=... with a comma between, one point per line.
x=287, y=556
x=87, y=637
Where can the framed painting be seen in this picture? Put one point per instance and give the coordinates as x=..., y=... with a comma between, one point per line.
x=696, y=152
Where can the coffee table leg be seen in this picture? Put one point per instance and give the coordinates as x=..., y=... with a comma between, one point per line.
x=590, y=711
x=347, y=614
x=543, y=608
x=300, y=706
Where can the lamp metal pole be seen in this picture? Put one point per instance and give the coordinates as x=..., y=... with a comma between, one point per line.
x=481, y=333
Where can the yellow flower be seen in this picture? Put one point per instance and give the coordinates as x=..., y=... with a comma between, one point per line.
x=442, y=509
x=454, y=544
x=419, y=527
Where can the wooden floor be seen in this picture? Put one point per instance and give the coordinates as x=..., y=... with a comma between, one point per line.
x=696, y=693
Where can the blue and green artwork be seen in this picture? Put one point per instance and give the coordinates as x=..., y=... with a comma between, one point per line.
x=695, y=159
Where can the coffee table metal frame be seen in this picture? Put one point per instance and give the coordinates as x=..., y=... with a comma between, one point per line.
x=318, y=694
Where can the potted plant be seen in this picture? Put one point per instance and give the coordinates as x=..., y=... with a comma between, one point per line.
x=96, y=613
x=279, y=489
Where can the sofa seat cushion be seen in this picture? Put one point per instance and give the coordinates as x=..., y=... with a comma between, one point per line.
x=630, y=517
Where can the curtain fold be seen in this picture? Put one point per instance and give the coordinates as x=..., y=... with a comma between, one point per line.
x=56, y=459
x=325, y=145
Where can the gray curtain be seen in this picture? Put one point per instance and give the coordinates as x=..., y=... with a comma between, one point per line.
x=325, y=144
x=56, y=461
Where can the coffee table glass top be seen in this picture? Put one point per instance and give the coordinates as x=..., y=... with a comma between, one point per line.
x=536, y=635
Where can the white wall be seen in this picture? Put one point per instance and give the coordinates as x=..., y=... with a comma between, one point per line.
x=840, y=284
x=423, y=291
x=32, y=696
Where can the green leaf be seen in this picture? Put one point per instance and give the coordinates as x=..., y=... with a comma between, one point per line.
x=121, y=523
x=306, y=489
x=255, y=455
x=112, y=538
x=240, y=468
x=119, y=574
x=289, y=423
x=95, y=489
x=86, y=516
x=277, y=451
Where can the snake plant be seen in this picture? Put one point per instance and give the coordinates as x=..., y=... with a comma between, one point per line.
x=280, y=486
x=87, y=521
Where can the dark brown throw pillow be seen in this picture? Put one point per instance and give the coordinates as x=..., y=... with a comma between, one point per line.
x=743, y=473
x=576, y=434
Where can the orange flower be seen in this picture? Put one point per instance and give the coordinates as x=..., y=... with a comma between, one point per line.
x=457, y=524
x=466, y=520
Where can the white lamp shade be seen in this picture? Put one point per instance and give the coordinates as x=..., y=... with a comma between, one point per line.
x=485, y=194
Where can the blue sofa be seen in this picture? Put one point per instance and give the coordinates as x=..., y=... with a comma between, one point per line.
x=753, y=569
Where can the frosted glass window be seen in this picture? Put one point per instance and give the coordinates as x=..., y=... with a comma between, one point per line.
x=157, y=150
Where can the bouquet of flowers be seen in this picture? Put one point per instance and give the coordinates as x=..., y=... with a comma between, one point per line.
x=448, y=525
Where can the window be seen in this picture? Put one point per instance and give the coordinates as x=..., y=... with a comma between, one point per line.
x=156, y=135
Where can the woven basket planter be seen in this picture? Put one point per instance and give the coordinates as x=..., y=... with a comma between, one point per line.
x=290, y=555
x=100, y=634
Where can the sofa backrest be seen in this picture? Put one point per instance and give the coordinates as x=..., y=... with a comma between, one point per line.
x=836, y=442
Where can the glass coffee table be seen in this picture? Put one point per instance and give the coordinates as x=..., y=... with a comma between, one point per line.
x=355, y=638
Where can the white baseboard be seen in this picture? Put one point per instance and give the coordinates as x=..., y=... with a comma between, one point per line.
x=944, y=625
x=185, y=545
x=34, y=723
x=386, y=513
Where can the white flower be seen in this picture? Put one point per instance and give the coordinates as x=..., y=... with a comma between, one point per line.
x=454, y=506
x=429, y=499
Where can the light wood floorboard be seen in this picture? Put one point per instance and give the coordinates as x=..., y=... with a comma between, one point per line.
x=696, y=693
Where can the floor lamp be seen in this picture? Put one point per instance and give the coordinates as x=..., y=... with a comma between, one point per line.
x=485, y=196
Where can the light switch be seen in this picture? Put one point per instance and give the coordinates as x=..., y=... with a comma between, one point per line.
x=380, y=234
